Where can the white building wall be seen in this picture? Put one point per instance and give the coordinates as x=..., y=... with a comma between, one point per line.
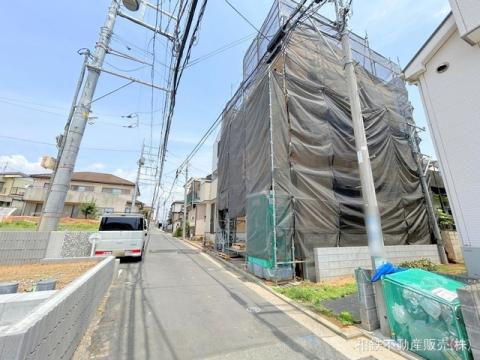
x=452, y=103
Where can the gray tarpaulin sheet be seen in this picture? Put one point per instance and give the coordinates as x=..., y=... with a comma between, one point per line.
x=298, y=107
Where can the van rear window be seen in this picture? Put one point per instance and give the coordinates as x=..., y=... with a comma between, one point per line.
x=120, y=223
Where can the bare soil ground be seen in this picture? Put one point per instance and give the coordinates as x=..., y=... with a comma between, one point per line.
x=29, y=274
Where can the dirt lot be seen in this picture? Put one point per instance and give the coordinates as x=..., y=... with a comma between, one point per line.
x=29, y=274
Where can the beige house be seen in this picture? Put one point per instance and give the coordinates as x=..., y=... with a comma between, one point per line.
x=175, y=216
x=12, y=189
x=201, y=196
x=110, y=193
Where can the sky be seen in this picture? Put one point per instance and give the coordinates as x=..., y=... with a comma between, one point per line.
x=40, y=67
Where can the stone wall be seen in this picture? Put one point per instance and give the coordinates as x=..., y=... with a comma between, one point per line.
x=76, y=244
x=340, y=261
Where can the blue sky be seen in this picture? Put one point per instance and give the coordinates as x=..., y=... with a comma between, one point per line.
x=40, y=66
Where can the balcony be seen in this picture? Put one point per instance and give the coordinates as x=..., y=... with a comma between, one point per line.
x=102, y=199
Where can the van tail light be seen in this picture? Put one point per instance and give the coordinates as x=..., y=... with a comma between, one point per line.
x=101, y=253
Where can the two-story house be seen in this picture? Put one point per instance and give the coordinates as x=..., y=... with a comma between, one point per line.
x=201, y=194
x=110, y=193
x=12, y=188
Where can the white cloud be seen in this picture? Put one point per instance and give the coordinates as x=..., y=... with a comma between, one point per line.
x=20, y=163
x=96, y=167
x=126, y=174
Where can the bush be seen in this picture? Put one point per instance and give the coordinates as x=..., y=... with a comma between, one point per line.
x=346, y=318
x=178, y=232
x=89, y=209
x=424, y=264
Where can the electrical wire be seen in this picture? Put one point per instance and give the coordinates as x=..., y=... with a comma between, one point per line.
x=55, y=145
x=246, y=19
x=219, y=50
x=211, y=129
x=177, y=72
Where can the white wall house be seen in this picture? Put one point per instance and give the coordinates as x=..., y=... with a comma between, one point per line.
x=447, y=72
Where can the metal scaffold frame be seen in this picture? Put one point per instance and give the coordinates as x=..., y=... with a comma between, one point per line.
x=381, y=73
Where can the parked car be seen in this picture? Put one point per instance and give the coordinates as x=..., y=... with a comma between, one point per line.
x=120, y=235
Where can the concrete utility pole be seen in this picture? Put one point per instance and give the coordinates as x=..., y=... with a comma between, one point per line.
x=428, y=199
x=184, y=223
x=372, y=214
x=60, y=182
x=141, y=162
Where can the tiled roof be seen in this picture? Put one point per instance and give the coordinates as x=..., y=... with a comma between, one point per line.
x=93, y=177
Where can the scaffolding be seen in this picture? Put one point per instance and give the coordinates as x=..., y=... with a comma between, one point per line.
x=286, y=156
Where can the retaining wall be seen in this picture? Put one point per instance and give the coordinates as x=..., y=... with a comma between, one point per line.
x=54, y=329
x=18, y=247
x=340, y=261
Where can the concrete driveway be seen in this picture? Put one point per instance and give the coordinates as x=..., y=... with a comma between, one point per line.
x=180, y=304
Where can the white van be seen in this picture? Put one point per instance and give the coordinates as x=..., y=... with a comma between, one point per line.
x=120, y=235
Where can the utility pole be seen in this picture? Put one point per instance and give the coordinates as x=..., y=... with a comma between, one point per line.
x=141, y=162
x=184, y=223
x=60, y=181
x=428, y=199
x=371, y=212
x=75, y=128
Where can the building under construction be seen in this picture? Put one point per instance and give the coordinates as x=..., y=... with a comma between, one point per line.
x=286, y=158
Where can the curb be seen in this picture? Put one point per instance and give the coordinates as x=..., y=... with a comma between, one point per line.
x=347, y=333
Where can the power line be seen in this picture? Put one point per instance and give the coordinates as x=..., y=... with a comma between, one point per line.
x=219, y=50
x=55, y=145
x=246, y=19
x=217, y=121
x=177, y=73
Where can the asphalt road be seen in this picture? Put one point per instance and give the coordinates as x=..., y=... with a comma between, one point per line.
x=178, y=304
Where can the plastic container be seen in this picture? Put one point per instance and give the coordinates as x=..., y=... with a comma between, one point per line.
x=424, y=314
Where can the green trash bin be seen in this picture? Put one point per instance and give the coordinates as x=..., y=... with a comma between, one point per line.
x=425, y=316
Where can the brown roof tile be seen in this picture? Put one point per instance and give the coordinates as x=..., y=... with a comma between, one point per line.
x=93, y=177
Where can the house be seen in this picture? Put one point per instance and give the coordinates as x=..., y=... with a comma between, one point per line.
x=446, y=71
x=175, y=216
x=201, y=207
x=110, y=193
x=12, y=189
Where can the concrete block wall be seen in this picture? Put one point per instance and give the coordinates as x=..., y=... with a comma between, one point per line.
x=54, y=329
x=335, y=262
x=18, y=247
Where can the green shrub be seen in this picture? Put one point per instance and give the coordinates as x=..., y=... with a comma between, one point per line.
x=345, y=318
x=178, y=232
x=424, y=264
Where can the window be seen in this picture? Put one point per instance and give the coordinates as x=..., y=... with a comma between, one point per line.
x=82, y=188
x=128, y=210
x=122, y=223
x=46, y=186
x=107, y=210
x=116, y=191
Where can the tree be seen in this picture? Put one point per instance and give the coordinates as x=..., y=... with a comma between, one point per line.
x=89, y=209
